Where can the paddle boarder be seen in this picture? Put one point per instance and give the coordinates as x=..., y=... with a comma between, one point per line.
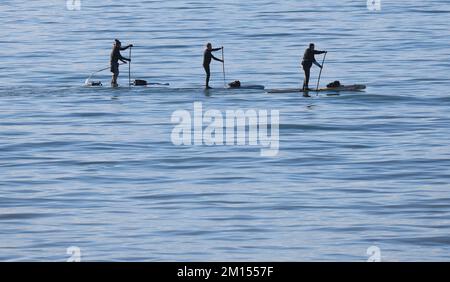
x=207, y=57
x=115, y=57
x=308, y=61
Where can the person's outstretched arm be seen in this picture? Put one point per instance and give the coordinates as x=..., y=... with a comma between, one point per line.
x=317, y=53
x=217, y=49
x=123, y=59
x=317, y=64
x=217, y=59
x=125, y=48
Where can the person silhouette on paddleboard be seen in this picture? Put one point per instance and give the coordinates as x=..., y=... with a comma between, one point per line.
x=307, y=62
x=207, y=57
x=115, y=57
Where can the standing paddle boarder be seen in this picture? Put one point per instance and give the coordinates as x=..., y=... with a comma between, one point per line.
x=115, y=57
x=207, y=57
x=308, y=61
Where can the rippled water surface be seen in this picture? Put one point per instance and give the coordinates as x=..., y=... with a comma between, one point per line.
x=96, y=168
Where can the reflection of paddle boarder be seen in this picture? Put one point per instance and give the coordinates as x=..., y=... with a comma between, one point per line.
x=308, y=61
x=207, y=57
x=115, y=57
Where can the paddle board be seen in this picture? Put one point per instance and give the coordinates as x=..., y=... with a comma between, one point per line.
x=355, y=87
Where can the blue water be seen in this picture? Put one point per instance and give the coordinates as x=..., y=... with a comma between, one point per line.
x=96, y=168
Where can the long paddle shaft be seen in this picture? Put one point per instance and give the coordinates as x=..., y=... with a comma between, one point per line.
x=223, y=66
x=92, y=74
x=320, y=74
x=129, y=70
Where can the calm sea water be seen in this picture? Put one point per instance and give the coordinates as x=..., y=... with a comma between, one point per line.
x=96, y=168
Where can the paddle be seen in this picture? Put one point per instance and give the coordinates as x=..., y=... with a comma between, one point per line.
x=92, y=74
x=223, y=66
x=129, y=70
x=320, y=74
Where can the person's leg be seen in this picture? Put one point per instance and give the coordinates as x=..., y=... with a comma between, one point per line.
x=307, y=75
x=114, y=79
x=117, y=76
x=115, y=71
x=208, y=75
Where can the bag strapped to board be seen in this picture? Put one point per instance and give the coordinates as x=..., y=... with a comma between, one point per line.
x=334, y=84
x=235, y=84
x=140, y=82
